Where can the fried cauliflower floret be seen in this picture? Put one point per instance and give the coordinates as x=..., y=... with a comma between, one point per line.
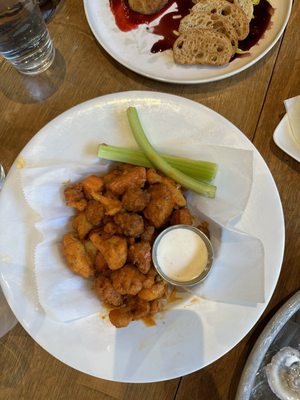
x=140, y=255
x=111, y=228
x=160, y=206
x=81, y=225
x=204, y=227
x=154, y=292
x=150, y=278
x=136, y=309
x=111, y=175
x=181, y=216
x=90, y=249
x=157, y=305
x=106, y=292
x=154, y=177
x=92, y=184
x=139, y=307
x=135, y=199
x=130, y=178
x=130, y=224
x=128, y=280
x=121, y=317
x=111, y=205
x=94, y=212
x=177, y=195
x=100, y=263
x=76, y=256
x=74, y=196
x=113, y=249
x=149, y=234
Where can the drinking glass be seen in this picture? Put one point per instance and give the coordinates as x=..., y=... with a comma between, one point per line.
x=49, y=8
x=24, y=39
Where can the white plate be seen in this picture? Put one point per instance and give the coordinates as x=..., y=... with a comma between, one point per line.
x=284, y=139
x=132, y=49
x=193, y=333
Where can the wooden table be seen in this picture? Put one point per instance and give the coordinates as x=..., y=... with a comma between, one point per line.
x=252, y=100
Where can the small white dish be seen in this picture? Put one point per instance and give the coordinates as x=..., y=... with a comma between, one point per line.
x=284, y=139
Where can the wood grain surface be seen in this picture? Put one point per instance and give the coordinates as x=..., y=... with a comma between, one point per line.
x=252, y=100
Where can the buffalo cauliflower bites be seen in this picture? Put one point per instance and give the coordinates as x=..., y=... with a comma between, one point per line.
x=135, y=199
x=113, y=249
x=76, y=256
x=74, y=196
x=181, y=216
x=117, y=218
x=106, y=291
x=128, y=280
x=134, y=177
x=140, y=256
x=160, y=206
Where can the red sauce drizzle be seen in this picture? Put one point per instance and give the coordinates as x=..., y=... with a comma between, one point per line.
x=258, y=25
x=126, y=20
x=168, y=24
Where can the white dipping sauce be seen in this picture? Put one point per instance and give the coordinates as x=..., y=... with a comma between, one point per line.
x=182, y=254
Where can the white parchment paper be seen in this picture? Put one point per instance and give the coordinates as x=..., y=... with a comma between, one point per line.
x=237, y=275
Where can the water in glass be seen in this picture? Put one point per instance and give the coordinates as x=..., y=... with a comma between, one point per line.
x=24, y=38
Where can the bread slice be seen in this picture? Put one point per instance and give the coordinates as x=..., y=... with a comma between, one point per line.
x=202, y=46
x=232, y=12
x=206, y=20
x=147, y=7
x=246, y=6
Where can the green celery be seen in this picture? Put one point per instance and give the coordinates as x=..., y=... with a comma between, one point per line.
x=161, y=164
x=201, y=170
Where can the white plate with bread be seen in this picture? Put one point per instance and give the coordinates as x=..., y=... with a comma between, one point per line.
x=211, y=38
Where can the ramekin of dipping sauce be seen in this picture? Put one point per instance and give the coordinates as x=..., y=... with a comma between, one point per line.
x=182, y=255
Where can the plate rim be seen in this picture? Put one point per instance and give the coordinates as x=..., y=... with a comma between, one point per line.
x=182, y=81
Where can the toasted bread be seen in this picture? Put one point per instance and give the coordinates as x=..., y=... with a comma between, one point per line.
x=206, y=20
x=147, y=7
x=246, y=6
x=232, y=12
x=202, y=46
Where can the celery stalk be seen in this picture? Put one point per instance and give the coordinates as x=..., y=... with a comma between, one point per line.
x=198, y=169
x=161, y=164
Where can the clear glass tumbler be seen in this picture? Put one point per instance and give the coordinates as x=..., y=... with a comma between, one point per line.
x=24, y=39
x=49, y=8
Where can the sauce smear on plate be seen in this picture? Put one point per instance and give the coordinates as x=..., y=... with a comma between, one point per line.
x=126, y=20
x=258, y=25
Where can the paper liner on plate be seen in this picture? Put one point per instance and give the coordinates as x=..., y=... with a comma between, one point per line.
x=237, y=274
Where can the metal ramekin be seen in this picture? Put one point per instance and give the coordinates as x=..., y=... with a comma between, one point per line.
x=206, y=270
